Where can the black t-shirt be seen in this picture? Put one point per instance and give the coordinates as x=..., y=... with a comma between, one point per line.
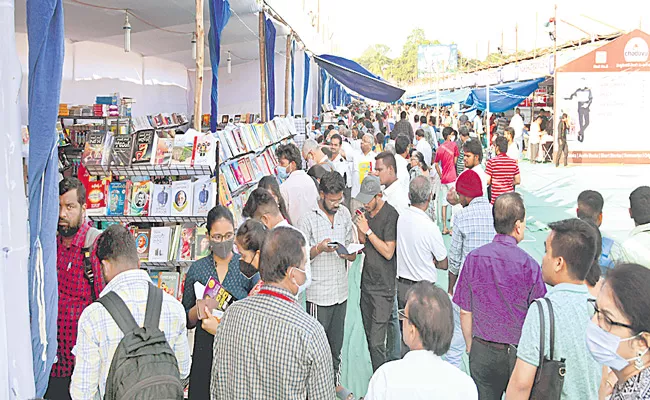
x=378, y=276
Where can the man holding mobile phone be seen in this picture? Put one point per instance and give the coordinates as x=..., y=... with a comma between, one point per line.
x=327, y=296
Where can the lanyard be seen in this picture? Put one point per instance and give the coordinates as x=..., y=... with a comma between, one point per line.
x=276, y=294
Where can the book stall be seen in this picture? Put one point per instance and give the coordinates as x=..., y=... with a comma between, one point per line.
x=159, y=177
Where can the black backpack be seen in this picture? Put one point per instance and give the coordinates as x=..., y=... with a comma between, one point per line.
x=144, y=365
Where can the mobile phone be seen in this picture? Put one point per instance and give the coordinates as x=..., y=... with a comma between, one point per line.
x=359, y=212
x=332, y=245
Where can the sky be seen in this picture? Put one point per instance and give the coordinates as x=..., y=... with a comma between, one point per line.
x=360, y=23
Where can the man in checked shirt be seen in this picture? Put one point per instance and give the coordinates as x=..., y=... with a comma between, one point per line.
x=74, y=288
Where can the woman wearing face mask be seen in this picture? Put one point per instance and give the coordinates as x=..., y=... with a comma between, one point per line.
x=619, y=333
x=223, y=265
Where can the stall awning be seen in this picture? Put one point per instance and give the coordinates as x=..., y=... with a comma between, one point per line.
x=503, y=97
x=359, y=79
x=446, y=98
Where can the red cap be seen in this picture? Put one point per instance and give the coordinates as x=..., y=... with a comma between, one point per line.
x=469, y=184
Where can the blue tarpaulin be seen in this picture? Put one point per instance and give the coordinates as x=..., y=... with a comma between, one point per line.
x=219, y=16
x=447, y=97
x=305, y=89
x=269, y=51
x=46, y=49
x=503, y=97
x=358, y=79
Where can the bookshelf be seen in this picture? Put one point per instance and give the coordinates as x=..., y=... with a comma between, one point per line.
x=150, y=219
x=164, y=265
x=150, y=170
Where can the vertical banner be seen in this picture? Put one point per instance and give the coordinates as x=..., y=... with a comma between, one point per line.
x=219, y=16
x=293, y=76
x=46, y=50
x=270, y=66
x=305, y=84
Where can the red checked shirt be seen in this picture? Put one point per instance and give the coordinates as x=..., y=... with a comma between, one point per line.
x=74, y=296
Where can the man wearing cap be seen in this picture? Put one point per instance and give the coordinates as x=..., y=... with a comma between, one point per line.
x=473, y=228
x=377, y=228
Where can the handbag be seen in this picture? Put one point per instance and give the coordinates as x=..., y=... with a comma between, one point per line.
x=549, y=378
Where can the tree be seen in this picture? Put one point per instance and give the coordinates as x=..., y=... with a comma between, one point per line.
x=375, y=59
x=405, y=68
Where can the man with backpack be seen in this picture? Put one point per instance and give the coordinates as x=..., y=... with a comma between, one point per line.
x=79, y=278
x=132, y=342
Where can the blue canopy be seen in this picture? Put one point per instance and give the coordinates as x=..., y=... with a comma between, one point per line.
x=503, y=97
x=46, y=47
x=447, y=97
x=359, y=79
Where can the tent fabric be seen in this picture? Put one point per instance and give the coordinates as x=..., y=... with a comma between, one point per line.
x=358, y=79
x=321, y=88
x=46, y=51
x=219, y=16
x=269, y=32
x=16, y=368
x=293, y=76
x=305, y=84
x=503, y=97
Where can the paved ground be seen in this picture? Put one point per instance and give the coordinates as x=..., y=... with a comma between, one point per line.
x=550, y=195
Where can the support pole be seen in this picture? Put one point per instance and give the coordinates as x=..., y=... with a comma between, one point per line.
x=287, y=77
x=262, y=46
x=554, y=119
x=200, y=50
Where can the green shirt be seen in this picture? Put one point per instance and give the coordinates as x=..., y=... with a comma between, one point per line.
x=572, y=314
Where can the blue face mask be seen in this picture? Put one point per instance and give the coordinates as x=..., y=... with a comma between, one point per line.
x=282, y=172
x=604, y=345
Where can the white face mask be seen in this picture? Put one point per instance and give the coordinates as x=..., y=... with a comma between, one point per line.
x=604, y=345
x=307, y=272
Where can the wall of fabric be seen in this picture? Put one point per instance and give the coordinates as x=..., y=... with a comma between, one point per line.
x=219, y=16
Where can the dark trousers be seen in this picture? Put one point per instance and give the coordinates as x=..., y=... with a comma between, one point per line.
x=347, y=196
x=403, y=286
x=562, y=149
x=490, y=365
x=333, y=320
x=375, y=313
x=58, y=388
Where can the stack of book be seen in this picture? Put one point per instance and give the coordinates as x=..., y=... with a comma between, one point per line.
x=145, y=198
x=163, y=244
x=251, y=168
x=171, y=282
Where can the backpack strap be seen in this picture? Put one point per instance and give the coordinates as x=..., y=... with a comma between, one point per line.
x=86, y=251
x=154, y=307
x=542, y=333
x=115, y=306
x=551, y=317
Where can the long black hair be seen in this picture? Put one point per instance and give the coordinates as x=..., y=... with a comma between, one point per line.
x=271, y=184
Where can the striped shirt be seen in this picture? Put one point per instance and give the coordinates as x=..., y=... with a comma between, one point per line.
x=502, y=169
x=267, y=347
x=330, y=273
x=473, y=228
x=99, y=335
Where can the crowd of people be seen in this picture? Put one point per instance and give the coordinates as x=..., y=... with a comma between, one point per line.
x=395, y=190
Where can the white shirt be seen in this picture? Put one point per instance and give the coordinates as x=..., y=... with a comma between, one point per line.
x=416, y=248
x=360, y=165
x=478, y=125
x=402, y=171
x=534, y=136
x=425, y=148
x=342, y=166
x=397, y=197
x=636, y=248
x=513, y=151
x=517, y=123
x=300, y=194
x=481, y=174
x=420, y=375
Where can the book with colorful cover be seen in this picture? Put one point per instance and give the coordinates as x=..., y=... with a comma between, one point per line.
x=161, y=200
x=182, y=152
x=175, y=244
x=143, y=146
x=201, y=243
x=97, y=148
x=155, y=277
x=160, y=240
x=142, y=243
x=214, y=290
x=205, y=153
x=163, y=149
x=181, y=286
x=204, y=195
x=169, y=282
x=225, y=198
x=96, y=197
x=121, y=150
x=188, y=232
x=182, y=194
x=140, y=198
x=116, y=198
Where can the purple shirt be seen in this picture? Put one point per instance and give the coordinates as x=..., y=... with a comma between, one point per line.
x=497, y=284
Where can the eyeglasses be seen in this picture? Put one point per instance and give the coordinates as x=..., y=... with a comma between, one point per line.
x=222, y=238
x=603, y=320
x=402, y=315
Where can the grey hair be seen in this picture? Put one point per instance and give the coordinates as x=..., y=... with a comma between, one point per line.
x=390, y=147
x=344, y=132
x=309, y=145
x=372, y=138
x=419, y=190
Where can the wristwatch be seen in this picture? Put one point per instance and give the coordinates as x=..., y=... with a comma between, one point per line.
x=368, y=232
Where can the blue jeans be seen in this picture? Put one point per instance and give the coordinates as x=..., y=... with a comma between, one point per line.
x=393, y=337
x=454, y=355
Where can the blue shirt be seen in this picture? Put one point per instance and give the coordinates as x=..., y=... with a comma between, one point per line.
x=473, y=228
x=572, y=314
